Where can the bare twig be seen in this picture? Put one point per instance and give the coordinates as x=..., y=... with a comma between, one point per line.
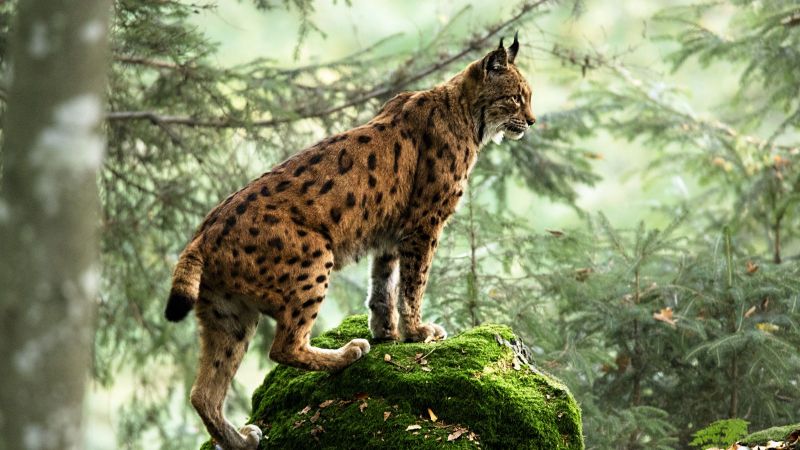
x=150, y=63
x=379, y=91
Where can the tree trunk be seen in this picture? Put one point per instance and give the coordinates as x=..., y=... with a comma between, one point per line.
x=53, y=147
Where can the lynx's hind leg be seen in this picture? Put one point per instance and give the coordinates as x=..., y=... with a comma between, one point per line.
x=226, y=327
x=293, y=329
x=382, y=300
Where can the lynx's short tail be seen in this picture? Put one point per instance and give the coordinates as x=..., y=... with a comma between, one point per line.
x=185, y=284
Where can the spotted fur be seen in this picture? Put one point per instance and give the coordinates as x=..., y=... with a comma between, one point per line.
x=386, y=187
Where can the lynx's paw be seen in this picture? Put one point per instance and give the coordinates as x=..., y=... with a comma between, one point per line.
x=355, y=349
x=252, y=435
x=425, y=333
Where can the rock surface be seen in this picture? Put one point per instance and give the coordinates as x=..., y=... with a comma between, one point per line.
x=473, y=390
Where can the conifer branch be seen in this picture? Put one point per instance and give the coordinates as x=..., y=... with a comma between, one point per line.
x=379, y=91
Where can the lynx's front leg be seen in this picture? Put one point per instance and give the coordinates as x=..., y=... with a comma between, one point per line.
x=416, y=255
x=382, y=300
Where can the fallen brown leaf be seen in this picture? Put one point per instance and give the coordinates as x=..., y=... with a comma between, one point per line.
x=362, y=406
x=413, y=427
x=432, y=415
x=455, y=434
x=387, y=357
x=555, y=233
x=315, y=417
x=750, y=311
x=665, y=315
x=299, y=423
x=361, y=396
x=751, y=267
x=425, y=368
x=305, y=411
x=325, y=404
x=386, y=415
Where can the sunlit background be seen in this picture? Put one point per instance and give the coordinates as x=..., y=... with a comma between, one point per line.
x=623, y=33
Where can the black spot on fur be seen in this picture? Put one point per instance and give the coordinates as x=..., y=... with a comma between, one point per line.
x=270, y=219
x=351, y=200
x=251, y=196
x=336, y=215
x=302, y=277
x=372, y=181
x=283, y=185
x=276, y=242
x=239, y=334
x=427, y=140
x=299, y=171
x=345, y=162
x=321, y=278
x=317, y=253
x=308, y=303
x=265, y=191
x=253, y=231
x=363, y=139
x=326, y=187
x=307, y=287
x=305, y=264
x=306, y=185
x=397, y=149
x=315, y=159
x=283, y=278
x=371, y=161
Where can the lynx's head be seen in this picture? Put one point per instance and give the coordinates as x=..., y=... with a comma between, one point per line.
x=502, y=95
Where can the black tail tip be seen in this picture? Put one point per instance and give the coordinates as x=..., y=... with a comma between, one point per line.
x=178, y=306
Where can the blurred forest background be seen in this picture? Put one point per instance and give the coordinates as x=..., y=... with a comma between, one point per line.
x=644, y=238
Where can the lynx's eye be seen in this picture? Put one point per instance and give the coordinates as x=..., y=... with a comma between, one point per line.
x=516, y=99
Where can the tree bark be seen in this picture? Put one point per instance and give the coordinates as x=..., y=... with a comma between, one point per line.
x=53, y=146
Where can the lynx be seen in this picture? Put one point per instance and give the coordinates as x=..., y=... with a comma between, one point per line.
x=387, y=187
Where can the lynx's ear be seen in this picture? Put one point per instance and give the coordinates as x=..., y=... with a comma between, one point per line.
x=512, y=51
x=496, y=60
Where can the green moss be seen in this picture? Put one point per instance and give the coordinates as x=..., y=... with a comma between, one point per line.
x=770, y=434
x=471, y=385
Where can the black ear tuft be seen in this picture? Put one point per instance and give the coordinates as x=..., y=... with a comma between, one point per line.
x=496, y=61
x=501, y=44
x=512, y=51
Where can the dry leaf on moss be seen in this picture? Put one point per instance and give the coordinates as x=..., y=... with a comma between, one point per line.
x=413, y=427
x=455, y=434
x=432, y=415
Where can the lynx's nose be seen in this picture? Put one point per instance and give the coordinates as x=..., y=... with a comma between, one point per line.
x=531, y=121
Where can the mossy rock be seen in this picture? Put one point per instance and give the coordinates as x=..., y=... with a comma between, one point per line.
x=770, y=434
x=478, y=384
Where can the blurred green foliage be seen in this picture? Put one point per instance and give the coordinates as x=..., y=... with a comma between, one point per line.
x=679, y=310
